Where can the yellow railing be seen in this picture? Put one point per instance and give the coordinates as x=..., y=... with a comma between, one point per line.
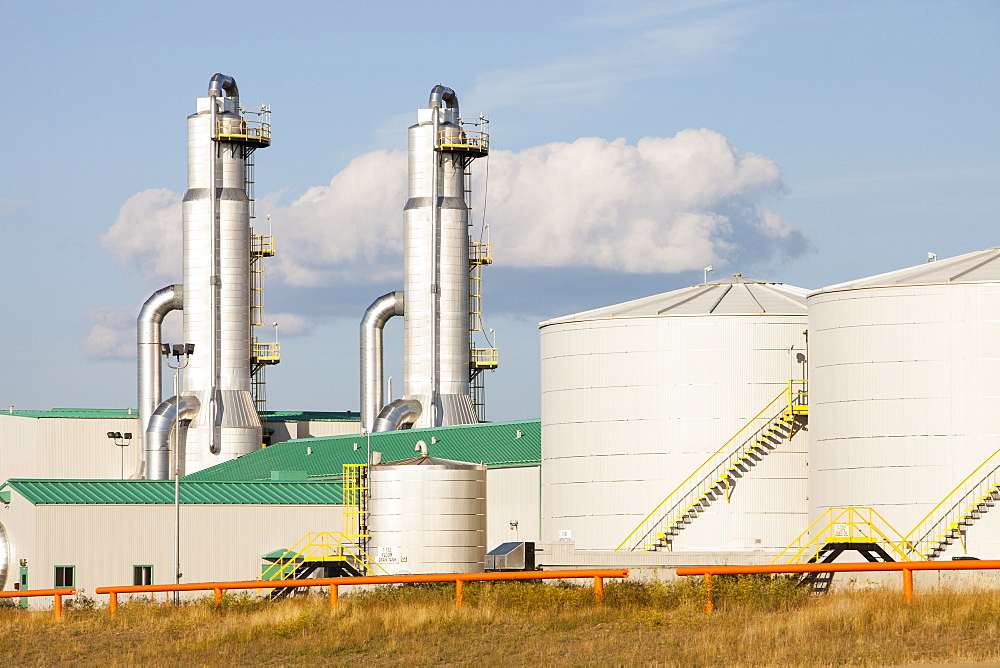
x=267, y=352
x=791, y=401
x=853, y=524
x=453, y=138
x=480, y=253
x=484, y=357
x=262, y=245
x=324, y=546
x=233, y=129
x=949, y=511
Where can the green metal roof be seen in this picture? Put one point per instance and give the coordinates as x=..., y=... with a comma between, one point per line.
x=86, y=413
x=161, y=492
x=314, y=416
x=496, y=444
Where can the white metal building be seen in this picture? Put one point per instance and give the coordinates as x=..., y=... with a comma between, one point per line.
x=73, y=442
x=905, y=396
x=637, y=396
x=99, y=532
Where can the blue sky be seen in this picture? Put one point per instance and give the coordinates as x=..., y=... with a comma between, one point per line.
x=802, y=142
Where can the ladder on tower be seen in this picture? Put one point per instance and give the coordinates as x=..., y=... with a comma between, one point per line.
x=262, y=354
x=465, y=142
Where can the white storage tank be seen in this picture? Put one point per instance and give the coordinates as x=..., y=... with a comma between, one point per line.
x=428, y=515
x=905, y=402
x=636, y=396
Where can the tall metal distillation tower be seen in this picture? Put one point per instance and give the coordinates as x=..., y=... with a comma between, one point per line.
x=216, y=295
x=438, y=357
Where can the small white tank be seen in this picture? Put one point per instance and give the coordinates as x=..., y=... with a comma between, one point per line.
x=428, y=515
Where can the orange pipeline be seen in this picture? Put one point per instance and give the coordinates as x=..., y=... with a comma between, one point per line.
x=334, y=583
x=907, y=568
x=371, y=580
x=964, y=565
x=56, y=594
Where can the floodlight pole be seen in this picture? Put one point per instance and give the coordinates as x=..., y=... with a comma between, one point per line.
x=182, y=351
x=122, y=441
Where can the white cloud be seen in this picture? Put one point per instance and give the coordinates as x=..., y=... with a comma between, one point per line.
x=113, y=334
x=289, y=324
x=662, y=205
x=667, y=44
x=347, y=231
x=147, y=236
x=8, y=206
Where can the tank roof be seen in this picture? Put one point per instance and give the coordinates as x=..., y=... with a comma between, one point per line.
x=736, y=295
x=979, y=267
x=497, y=444
x=433, y=461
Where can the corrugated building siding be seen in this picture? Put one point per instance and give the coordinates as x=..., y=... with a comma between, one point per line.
x=62, y=444
x=219, y=542
x=513, y=495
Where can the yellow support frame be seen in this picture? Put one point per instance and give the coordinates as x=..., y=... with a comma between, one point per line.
x=851, y=524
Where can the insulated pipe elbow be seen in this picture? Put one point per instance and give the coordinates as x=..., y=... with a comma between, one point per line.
x=223, y=82
x=439, y=93
x=372, y=324
x=396, y=414
x=148, y=325
x=157, y=436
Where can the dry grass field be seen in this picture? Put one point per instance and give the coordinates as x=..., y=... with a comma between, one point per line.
x=756, y=622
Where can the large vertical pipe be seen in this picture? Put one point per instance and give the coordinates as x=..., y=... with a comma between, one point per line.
x=148, y=327
x=217, y=286
x=372, y=324
x=436, y=266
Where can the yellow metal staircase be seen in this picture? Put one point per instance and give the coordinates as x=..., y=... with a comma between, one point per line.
x=330, y=550
x=947, y=521
x=779, y=421
x=837, y=528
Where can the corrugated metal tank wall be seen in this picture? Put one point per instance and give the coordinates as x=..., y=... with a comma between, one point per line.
x=635, y=397
x=428, y=515
x=905, y=397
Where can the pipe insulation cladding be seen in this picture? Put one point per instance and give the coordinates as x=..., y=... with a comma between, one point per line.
x=436, y=270
x=148, y=326
x=217, y=280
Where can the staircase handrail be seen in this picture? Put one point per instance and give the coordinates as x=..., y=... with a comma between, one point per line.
x=327, y=544
x=785, y=394
x=899, y=547
x=978, y=486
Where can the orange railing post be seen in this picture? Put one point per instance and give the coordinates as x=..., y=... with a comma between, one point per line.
x=458, y=594
x=218, y=596
x=334, y=594
x=598, y=591
x=708, y=594
x=907, y=585
x=113, y=604
x=57, y=607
